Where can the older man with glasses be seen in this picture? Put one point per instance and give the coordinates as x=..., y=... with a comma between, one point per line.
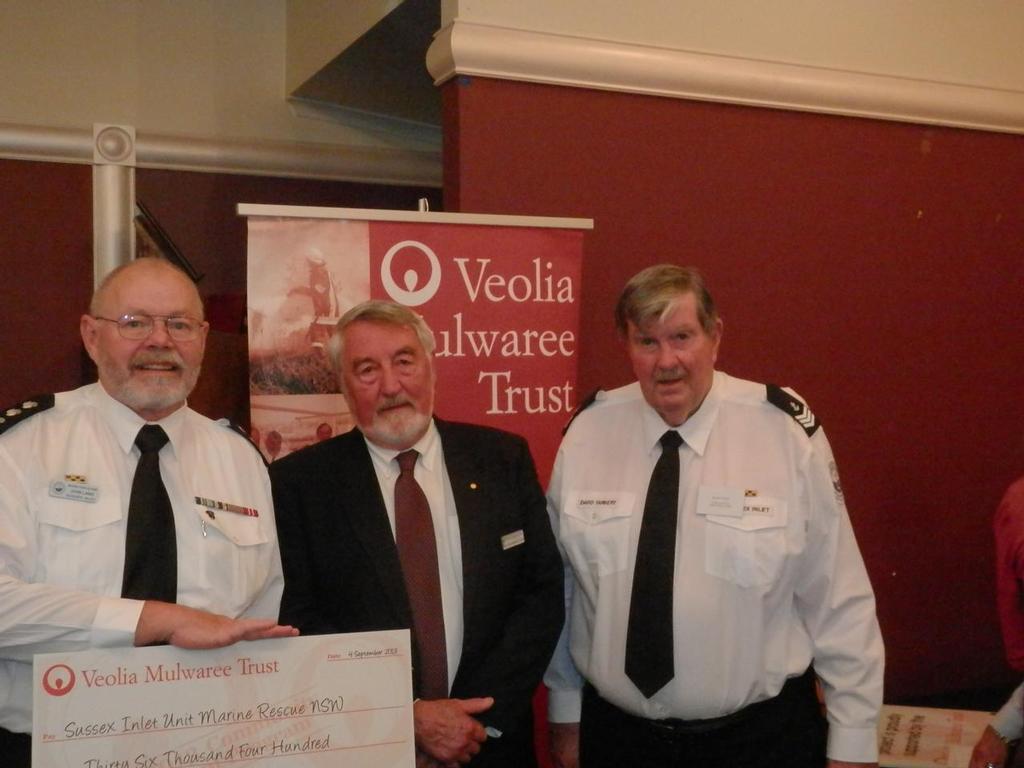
x=126, y=518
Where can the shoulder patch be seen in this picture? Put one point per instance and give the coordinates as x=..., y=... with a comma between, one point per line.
x=794, y=406
x=17, y=413
x=585, y=403
x=248, y=438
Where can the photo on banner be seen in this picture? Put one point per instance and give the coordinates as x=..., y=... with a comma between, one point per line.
x=501, y=297
x=303, y=275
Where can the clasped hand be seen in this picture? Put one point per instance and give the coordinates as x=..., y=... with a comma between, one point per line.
x=447, y=734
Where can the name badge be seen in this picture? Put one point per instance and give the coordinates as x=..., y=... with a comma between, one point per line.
x=74, y=491
x=720, y=501
x=513, y=539
x=595, y=506
x=762, y=506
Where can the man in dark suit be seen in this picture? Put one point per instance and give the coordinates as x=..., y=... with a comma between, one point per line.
x=411, y=521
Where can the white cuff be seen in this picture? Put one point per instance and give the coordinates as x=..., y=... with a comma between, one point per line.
x=1009, y=721
x=564, y=705
x=853, y=745
x=115, y=622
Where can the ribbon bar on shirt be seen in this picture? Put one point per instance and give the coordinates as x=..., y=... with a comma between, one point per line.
x=224, y=506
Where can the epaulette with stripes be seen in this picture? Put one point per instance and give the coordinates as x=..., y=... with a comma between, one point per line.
x=23, y=410
x=585, y=403
x=794, y=406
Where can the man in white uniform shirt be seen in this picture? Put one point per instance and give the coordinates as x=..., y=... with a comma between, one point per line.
x=710, y=562
x=75, y=573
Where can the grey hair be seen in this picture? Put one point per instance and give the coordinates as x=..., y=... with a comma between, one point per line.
x=384, y=313
x=653, y=292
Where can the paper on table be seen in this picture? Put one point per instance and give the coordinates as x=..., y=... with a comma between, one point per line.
x=924, y=737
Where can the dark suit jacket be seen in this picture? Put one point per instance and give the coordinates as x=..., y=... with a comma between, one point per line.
x=342, y=572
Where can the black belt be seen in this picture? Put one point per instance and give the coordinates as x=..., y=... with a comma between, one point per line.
x=794, y=688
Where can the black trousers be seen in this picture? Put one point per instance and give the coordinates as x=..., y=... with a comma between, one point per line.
x=788, y=731
x=15, y=749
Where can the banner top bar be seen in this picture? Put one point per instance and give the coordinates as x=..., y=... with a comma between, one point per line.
x=377, y=214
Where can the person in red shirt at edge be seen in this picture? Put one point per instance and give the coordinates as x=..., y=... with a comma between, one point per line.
x=992, y=749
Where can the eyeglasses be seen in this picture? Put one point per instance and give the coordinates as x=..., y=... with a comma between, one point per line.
x=139, y=327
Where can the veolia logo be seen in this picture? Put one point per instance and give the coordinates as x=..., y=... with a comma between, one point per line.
x=58, y=680
x=411, y=295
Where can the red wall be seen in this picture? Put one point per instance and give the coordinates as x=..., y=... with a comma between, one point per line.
x=198, y=211
x=875, y=267
x=45, y=276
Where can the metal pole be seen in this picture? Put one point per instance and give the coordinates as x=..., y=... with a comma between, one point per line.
x=113, y=198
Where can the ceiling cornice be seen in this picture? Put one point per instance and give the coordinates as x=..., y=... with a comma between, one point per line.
x=466, y=48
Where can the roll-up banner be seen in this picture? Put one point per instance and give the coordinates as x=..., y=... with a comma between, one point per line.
x=501, y=294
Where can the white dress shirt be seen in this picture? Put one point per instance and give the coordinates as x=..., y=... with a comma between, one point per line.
x=768, y=577
x=431, y=474
x=65, y=482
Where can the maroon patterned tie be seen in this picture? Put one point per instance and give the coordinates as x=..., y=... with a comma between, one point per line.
x=417, y=551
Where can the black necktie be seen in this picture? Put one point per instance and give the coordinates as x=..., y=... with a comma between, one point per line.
x=150, y=550
x=417, y=551
x=649, y=635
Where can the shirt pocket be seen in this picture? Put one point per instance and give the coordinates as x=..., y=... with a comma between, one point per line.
x=235, y=550
x=749, y=550
x=240, y=529
x=81, y=544
x=595, y=529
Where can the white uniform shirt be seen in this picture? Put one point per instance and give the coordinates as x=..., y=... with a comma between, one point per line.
x=65, y=482
x=431, y=474
x=762, y=589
